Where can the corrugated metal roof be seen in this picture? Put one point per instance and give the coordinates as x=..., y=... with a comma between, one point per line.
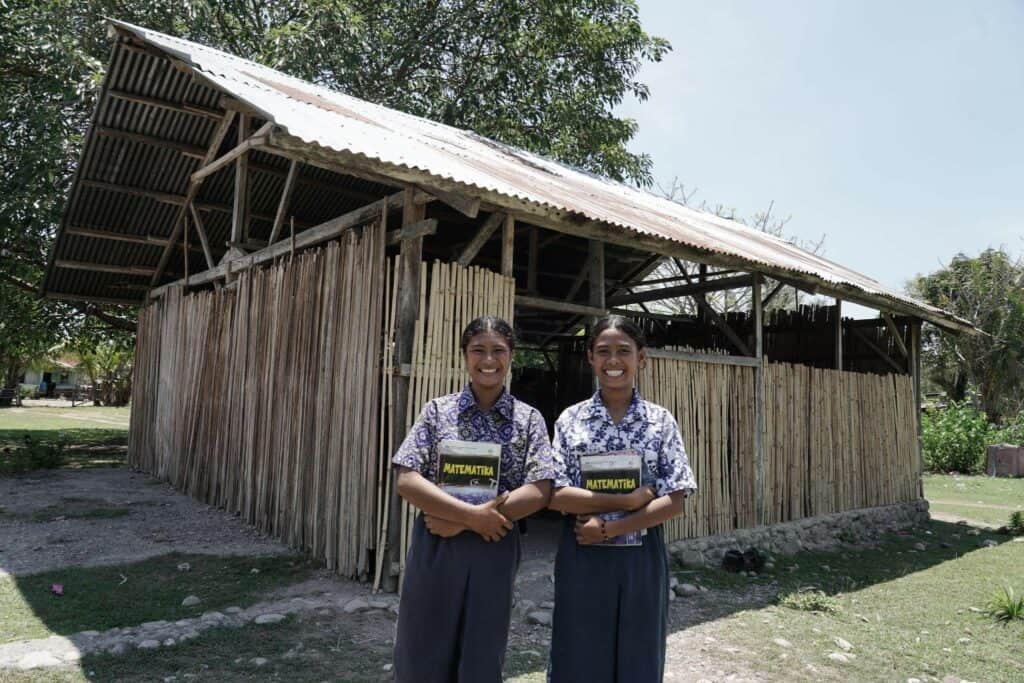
x=337, y=122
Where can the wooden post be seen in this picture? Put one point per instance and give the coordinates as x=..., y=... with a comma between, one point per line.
x=240, y=211
x=410, y=263
x=914, y=361
x=838, y=333
x=508, y=246
x=759, y=483
x=531, y=264
x=595, y=259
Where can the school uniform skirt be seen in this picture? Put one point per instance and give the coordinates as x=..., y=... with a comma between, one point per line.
x=611, y=611
x=456, y=605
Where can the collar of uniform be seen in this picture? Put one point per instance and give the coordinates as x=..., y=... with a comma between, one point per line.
x=634, y=412
x=503, y=405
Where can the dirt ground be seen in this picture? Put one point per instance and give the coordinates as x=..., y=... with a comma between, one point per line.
x=91, y=517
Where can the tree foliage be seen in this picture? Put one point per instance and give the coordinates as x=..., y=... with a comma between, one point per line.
x=987, y=290
x=545, y=75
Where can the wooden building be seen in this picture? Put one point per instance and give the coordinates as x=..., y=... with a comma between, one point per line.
x=305, y=261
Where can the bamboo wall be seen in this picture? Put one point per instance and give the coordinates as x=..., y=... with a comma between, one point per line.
x=264, y=400
x=450, y=297
x=832, y=441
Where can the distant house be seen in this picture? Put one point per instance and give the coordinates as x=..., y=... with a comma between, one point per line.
x=60, y=375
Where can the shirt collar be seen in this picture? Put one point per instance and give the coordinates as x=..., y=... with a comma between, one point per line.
x=634, y=412
x=504, y=405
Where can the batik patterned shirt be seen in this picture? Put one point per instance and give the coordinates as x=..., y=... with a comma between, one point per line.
x=519, y=428
x=587, y=429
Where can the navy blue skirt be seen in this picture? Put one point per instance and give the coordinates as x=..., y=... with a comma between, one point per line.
x=611, y=611
x=456, y=605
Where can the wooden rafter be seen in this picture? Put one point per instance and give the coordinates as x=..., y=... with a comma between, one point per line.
x=103, y=267
x=114, y=236
x=182, y=108
x=480, y=238
x=427, y=226
x=897, y=336
x=286, y=198
x=201, y=231
x=690, y=289
x=878, y=350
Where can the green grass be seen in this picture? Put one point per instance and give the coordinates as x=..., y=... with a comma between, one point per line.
x=99, y=598
x=95, y=436
x=904, y=611
x=988, y=500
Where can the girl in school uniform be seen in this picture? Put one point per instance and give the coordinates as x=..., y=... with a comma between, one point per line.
x=453, y=618
x=611, y=602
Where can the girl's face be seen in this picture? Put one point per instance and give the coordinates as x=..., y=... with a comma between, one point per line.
x=615, y=359
x=488, y=358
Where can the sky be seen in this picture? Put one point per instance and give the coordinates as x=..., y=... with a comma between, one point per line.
x=894, y=129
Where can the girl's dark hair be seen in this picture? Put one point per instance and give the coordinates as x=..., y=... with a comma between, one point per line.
x=488, y=323
x=617, y=322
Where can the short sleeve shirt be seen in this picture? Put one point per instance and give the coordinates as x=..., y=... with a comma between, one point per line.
x=519, y=428
x=587, y=429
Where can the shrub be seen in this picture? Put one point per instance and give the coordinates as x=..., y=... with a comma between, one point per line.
x=33, y=455
x=809, y=600
x=954, y=439
x=1016, y=525
x=1004, y=606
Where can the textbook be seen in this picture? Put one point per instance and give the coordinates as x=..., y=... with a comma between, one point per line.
x=469, y=470
x=614, y=472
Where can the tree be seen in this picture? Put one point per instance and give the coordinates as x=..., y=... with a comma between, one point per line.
x=545, y=75
x=988, y=290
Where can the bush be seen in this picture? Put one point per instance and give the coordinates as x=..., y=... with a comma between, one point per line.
x=1005, y=606
x=809, y=601
x=33, y=455
x=1016, y=525
x=954, y=439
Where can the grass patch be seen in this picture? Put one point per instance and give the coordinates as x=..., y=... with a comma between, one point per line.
x=908, y=613
x=99, y=598
x=1005, y=606
x=809, y=600
x=89, y=437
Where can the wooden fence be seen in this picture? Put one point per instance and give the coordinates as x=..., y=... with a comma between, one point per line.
x=832, y=441
x=264, y=400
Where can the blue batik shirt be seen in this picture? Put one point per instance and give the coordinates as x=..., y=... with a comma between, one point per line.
x=519, y=428
x=587, y=429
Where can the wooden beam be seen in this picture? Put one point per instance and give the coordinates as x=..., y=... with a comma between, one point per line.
x=249, y=142
x=897, y=335
x=190, y=195
x=682, y=290
x=559, y=306
x=240, y=207
x=595, y=278
x=180, y=107
x=286, y=197
x=427, y=226
x=114, y=236
x=103, y=267
x=531, y=262
x=759, y=407
x=508, y=246
x=467, y=206
x=308, y=238
x=201, y=231
x=878, y=351
x=65, y=296
x=184, y=148
x=914, y=360
x=577, y=283
x=771, y=295
x=721, y=324
x=482, y=236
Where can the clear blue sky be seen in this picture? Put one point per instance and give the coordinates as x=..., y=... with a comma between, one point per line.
x=894, y=128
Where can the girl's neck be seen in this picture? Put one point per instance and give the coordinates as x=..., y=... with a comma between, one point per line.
x=616, y=401
x=486, y=397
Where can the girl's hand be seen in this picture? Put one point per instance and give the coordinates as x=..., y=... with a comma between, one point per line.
x=488, y=522
x=443, y=527
x=590, y=530
x=639, y=498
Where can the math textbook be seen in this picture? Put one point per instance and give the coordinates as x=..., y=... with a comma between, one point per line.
x=469, y=470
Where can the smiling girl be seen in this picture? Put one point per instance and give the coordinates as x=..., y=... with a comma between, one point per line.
x=457, y=593
x=611, y=596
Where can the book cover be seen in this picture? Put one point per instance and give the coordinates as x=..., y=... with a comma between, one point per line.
x=615, y=472
x=469, y=470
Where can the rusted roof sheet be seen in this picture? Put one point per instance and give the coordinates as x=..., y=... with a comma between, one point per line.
x=336, y=122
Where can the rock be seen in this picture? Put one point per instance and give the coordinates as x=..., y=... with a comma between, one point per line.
x=258, y=661
x=191, y=601
x=690, y=559
x=782, y=642
x=149, y=644
x=842, y=644
x=973, y=532
x=547, y=604
x=356, y=605
x=188, y=635
x=37, y=660
x=89, y=634
x=686, y=590
x=964, y=641
x=920, y=547
x=769, y=566
x=254, y=570
x=913, y=680
x=989, y=543
x=388, y=667
x=168, y=642
x=184, y=567
x=838, y=657
x=234, y=609
x=672, y=582
x=213, y=616
x=269, y=618
x=118, y=648
x=541, y=617
x=526, y=606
